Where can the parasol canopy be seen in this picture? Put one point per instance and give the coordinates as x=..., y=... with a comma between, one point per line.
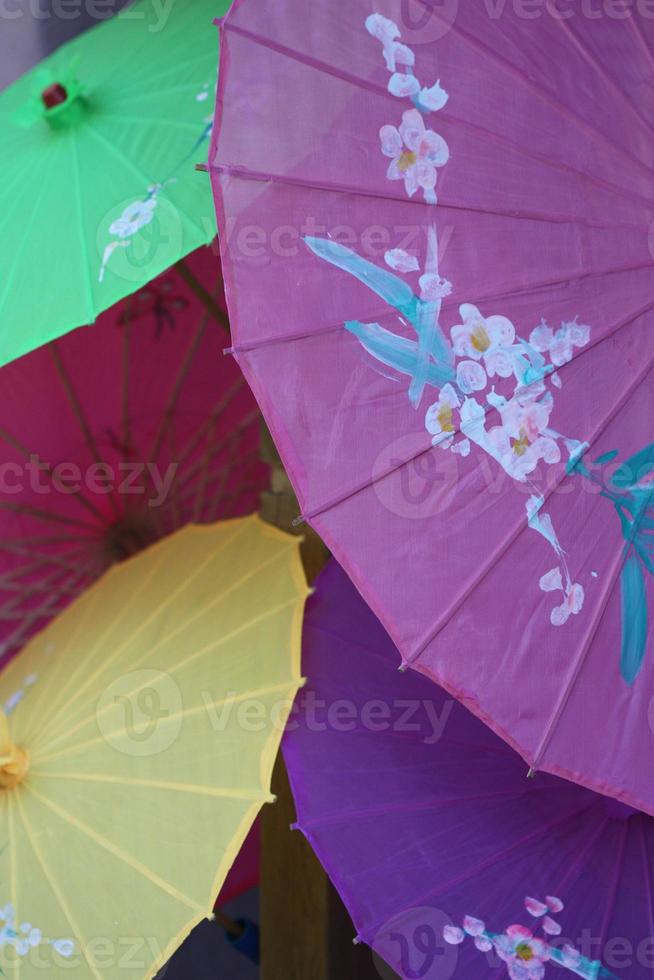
x=143, y=748
x=114, y=437
x=439, y=279
x=453, y=866
x=97, y=149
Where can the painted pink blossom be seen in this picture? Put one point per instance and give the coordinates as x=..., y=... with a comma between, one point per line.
x=439, y=420
x=573, y=601
x=461, y=448
x=559, y=344
x=470, y=377
x=387, y=32
x=526, y=415
x=433, y=98
x=453, y=935
x=571, y=605
x=519, y=457
x=541, y=337
x=134, y=217
x=524, y=955
x=415, y=153
x=533, y=906
x=485, y=338
x=473, y=927
x=433, y=287
x=550, y=927
x=401, y=261
x=403, y=86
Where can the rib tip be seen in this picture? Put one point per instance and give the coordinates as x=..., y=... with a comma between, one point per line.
x=298, y=521
x=202, y=168
x=271, y=798
x=403, y=668
x=294, y=826
x=229, y=350
x=532, y=773
x=357, y=941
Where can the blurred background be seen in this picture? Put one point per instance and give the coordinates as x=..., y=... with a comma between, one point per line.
x=31, y=29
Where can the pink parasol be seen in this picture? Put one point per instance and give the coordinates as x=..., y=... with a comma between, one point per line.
x=436, y=222
x=116, y=435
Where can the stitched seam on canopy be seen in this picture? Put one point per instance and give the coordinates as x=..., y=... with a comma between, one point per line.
x=345, y=815
x=55, y=888
x=615, y=884
x=547, y=217
x=634, y=23
x=453, y=304
x=581, y=856
x=647, y=876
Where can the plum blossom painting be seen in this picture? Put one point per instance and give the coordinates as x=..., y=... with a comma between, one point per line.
x=485, y=352
x=524, y=952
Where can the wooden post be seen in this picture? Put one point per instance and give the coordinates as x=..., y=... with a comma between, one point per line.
x=306, y=933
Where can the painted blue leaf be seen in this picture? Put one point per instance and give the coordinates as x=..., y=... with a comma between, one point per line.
x=585, y=968
x=627, y=523
x=431, y=344
x=576, y=465
x=391, y=288
x=535, y=358
x=646, y=553
x=606, y=457
x=634, y=618
x=533, y=367
x=635, y=468
x=397, y=352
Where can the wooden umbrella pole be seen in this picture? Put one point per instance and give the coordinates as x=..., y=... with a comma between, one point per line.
x=231, y=926
x=203, y=295
x=305, y=928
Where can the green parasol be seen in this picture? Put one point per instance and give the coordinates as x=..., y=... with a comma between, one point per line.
x=98, y=146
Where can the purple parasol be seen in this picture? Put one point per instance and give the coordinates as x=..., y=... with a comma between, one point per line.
x=435, y=223
x=452, y=863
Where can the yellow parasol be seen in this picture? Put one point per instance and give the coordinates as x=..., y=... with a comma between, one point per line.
x=143, y=726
